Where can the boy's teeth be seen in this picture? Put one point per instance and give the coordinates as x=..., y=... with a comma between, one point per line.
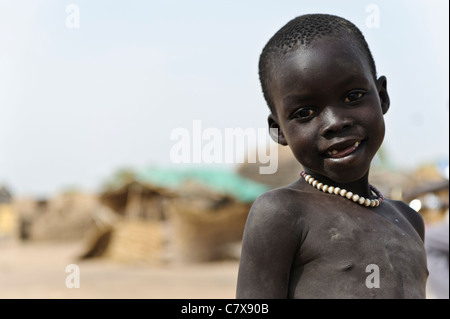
x=334, y=152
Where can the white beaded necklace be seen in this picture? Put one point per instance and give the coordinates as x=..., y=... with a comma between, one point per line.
x=344, y=193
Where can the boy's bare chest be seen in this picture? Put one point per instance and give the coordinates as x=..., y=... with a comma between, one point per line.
x=370, y=238
x=339, y=252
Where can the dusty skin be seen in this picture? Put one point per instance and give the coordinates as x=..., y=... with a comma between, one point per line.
x=38, y=270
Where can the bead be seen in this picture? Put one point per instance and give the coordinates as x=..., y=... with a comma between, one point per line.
x=344, y=193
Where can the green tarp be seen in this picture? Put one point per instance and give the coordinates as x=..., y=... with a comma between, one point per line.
x=220, y=180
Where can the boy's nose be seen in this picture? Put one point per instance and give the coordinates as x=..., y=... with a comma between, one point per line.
x=334, y=120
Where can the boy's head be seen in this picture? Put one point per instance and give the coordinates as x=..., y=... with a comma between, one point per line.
x=300, y=33
x=319, y=80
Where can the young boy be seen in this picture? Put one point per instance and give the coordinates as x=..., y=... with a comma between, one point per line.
x=330, y=234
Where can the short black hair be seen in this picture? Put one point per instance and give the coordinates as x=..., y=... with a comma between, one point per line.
x=300, y=32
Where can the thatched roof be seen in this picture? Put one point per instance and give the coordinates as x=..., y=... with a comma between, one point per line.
x=117, y=198
x=185, y=181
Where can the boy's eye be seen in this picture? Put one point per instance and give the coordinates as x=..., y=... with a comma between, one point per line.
x=352, y=97
x=304, y=113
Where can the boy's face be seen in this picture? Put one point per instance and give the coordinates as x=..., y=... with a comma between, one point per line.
x=329, y=109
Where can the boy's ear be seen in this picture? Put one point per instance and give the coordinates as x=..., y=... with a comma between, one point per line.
x=383, y=93
x=275, y=131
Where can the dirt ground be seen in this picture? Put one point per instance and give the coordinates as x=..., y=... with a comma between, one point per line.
x=38, y=271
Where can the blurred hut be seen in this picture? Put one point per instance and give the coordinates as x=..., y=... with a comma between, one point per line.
x=137, y=200
x=170, y=215
x=208, y=214
x=65, y=217
x=138, y=233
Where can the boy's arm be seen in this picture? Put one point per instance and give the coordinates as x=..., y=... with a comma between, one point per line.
x=269, y=245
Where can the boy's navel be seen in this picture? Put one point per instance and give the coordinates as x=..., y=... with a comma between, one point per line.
x=347, y=267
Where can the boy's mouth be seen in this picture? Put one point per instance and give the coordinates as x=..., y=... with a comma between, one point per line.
x=342, y=151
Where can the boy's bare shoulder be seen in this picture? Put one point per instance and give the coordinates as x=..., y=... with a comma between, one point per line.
x=413, y=217
x=277, y=207
x=285, y=200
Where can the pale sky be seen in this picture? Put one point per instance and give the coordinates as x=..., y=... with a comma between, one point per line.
x=77, y=103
